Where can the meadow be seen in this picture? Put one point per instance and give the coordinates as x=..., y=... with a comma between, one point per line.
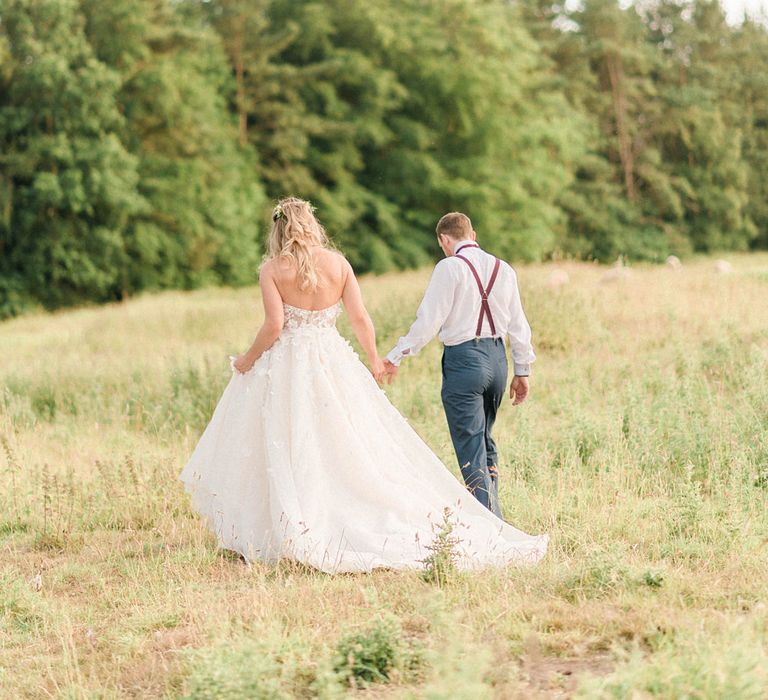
x=642, y=450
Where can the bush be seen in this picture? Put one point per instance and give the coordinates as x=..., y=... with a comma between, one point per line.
x=246, y=668
x=440, y=565
x=375, y=655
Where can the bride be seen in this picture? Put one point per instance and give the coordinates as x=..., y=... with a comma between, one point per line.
x=306, y=458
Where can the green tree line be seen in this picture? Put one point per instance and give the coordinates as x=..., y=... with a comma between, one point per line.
x=142, y=142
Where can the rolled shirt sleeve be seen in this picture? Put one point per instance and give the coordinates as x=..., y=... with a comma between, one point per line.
x=519, y=334
x=431, y=314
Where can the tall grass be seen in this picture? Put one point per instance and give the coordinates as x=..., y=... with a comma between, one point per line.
x=643, y=451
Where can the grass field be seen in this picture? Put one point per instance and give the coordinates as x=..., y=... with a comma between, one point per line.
x=643, y=451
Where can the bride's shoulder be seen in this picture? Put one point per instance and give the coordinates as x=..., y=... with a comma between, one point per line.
x=270, y=268
x=334, y=258
x=330, y=253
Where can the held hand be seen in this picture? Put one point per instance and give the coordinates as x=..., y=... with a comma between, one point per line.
x=390, y=370
x=518, y=390
x=377, y=368
x=243, y=363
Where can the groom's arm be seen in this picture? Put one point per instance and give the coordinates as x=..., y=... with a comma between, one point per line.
x=519, y=333
x=431, y=314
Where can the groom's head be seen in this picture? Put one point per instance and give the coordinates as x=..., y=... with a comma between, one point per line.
x=451, y=229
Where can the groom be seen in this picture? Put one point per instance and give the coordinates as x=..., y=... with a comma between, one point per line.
x=472, y=300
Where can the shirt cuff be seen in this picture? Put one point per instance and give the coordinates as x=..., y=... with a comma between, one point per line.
x=394, y=357
x=522, y=370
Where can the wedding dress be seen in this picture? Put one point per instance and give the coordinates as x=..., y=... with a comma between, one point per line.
x=306, y=458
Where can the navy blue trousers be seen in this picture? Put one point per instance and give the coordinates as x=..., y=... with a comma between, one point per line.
x=474, y=382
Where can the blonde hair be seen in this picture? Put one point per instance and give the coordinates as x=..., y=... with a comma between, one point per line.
x=454, y=225
x=295, y=231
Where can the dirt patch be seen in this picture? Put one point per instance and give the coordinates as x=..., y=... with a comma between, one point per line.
x=558, y=677
x=156, y=670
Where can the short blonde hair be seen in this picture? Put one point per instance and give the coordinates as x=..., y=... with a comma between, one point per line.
x=454, y=225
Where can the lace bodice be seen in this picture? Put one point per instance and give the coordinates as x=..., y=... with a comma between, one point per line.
x=300, y=318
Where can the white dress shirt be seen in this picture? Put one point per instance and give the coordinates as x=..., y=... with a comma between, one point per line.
x=451, y=306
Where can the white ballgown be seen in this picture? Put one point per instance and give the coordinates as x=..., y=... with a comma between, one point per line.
x=306, y=458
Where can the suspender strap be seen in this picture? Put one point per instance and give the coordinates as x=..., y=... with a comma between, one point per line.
x=485, y=307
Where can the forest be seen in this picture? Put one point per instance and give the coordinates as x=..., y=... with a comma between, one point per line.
x=143, y=143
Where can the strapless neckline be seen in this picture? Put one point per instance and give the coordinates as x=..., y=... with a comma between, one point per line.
x=312, y=311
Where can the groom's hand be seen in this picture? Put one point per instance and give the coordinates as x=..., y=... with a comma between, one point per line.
x=390, y=371
x=518, y=390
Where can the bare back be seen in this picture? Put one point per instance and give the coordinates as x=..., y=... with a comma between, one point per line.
x=336, y=282
x=331, y=269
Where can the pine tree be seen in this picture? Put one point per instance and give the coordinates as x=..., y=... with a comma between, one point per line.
x=749, y=81
x=271, y=116
x=309, y=100
x=604, y=81
x=743, y=93
x=698, y=142
x=204, y=217
x=68, y=183
x=483, y=129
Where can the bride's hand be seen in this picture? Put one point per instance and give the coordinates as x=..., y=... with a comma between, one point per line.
x=377, y=368
x=242, y=363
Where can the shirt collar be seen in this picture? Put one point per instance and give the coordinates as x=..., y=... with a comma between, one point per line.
x=462, y=246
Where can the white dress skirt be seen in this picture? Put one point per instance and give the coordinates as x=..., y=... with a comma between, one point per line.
x=306, y=458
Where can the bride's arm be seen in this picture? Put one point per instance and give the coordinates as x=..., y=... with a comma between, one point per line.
x=273, y=321
x=361, y=322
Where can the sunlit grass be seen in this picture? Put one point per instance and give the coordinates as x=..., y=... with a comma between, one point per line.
x=643, y=451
